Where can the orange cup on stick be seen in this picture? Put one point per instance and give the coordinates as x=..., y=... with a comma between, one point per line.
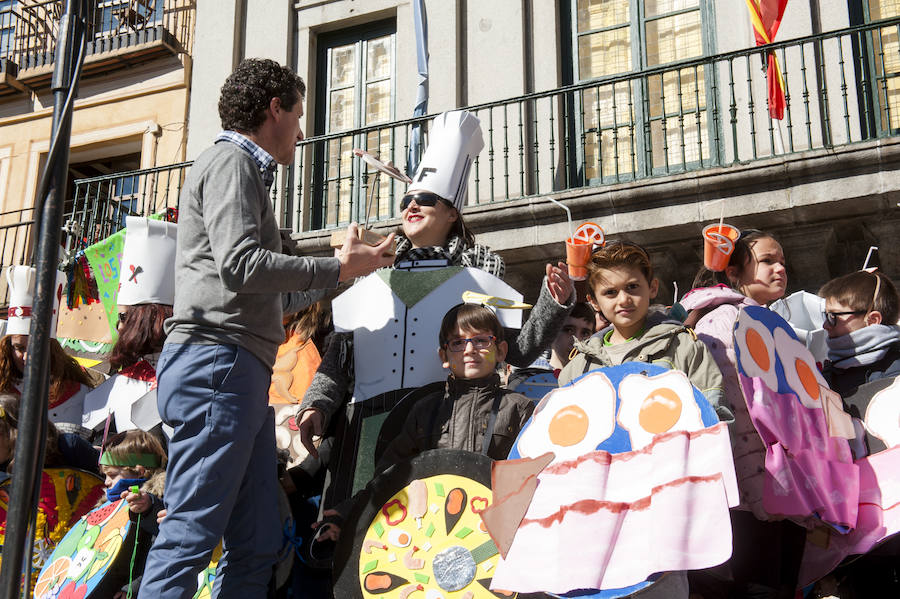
x=579, y=248
x=718, y=245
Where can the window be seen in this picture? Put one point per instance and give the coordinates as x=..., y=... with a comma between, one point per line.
x=114, y=16
x=884, y=62
x=355, y=77
x=655, y=123
x=7, y=28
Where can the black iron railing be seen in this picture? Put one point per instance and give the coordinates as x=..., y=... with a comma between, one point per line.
x=841, y=87
x=16, y=238
x=29, y=28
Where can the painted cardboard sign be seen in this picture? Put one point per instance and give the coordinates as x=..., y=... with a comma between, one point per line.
x=623, y=457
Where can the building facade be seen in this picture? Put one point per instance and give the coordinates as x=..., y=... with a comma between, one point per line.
x=130, y=112
x=648, y=117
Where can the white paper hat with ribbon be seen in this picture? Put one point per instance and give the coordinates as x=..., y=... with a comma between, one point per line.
x=148, y=262
x=20, y=280
x=454, y=142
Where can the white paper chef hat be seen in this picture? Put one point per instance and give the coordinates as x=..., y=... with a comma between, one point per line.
x=454, y=142
x=147, y=275
x=21, y=281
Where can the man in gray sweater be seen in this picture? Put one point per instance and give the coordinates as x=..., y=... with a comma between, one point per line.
x=232, y=285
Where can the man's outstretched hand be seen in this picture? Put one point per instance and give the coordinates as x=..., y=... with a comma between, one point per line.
x=358, y=259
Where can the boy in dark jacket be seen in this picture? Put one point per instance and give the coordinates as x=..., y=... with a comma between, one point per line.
x=473, y=413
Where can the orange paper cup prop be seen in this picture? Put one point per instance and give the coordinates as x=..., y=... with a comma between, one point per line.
x=718, y=244
x=579, y=248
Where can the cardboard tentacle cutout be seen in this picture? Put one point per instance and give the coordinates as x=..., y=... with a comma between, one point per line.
x=66, y=495
x=610, y=467
x=809, y=468
x=417, y=528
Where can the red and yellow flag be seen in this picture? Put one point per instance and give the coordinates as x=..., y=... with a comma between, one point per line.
x=766, y=18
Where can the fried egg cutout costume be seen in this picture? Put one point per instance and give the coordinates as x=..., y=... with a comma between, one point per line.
x=636, y=452
x=809, y=473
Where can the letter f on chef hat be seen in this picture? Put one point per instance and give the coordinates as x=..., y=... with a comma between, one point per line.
x=454, y=142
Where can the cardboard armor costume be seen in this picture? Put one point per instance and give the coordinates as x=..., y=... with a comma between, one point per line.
x=147, y=276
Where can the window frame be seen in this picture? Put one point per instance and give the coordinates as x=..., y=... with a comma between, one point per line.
x=359, y=35
x=641, y=121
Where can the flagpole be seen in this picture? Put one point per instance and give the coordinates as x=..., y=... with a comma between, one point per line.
x=32, y=432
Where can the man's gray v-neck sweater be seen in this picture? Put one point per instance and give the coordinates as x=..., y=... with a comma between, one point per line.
x=229, y=272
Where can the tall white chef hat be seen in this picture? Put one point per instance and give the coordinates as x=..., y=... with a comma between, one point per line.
x=21, y=282
x=454, y=142
x=147, y=275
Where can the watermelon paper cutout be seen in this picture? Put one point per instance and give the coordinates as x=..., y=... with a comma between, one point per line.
x=96, y=552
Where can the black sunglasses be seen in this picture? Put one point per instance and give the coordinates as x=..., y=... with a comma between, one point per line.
x=422, y=199
x=831, y=317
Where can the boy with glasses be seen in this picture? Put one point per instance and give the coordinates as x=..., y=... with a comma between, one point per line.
x=861, y=311
x=474, y=413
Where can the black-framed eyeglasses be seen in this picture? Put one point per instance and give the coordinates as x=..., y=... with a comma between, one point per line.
x=479, y=342
x=422, y=199
x=122, y=317
x=831, y=317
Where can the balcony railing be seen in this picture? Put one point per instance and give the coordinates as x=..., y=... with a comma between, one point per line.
x=29, y=30
x=16, y=230
x=842, y=87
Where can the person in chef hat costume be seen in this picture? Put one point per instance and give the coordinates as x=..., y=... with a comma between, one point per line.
x=432, y=234
x=432, y=225
x=145, y=297
x=69, y=383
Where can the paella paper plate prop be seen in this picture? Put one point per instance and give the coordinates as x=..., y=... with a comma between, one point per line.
x=605, y=460
x=809, y=471
x=416, y=531
x=92, y=560
x=66, y=495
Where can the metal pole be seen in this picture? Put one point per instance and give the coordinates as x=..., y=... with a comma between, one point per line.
x=33, y=414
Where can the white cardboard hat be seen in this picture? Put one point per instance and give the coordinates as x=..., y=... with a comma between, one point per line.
x=21, y=281
x=148, y=262
x=21, y=299
x=454, y=142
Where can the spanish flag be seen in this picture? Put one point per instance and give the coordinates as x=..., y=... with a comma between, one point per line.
x=766, y=18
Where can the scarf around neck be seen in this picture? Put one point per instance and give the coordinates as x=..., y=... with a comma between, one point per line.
x=863, y=346
x=455, y=252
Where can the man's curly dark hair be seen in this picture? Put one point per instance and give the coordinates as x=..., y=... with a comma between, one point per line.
x=249, y=89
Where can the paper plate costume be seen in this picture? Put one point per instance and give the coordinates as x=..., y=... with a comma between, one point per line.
x=93, y=558
x=147, y=277
x=418, y=528
x=65, y=496
x=607, y=479
x=809, y=467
